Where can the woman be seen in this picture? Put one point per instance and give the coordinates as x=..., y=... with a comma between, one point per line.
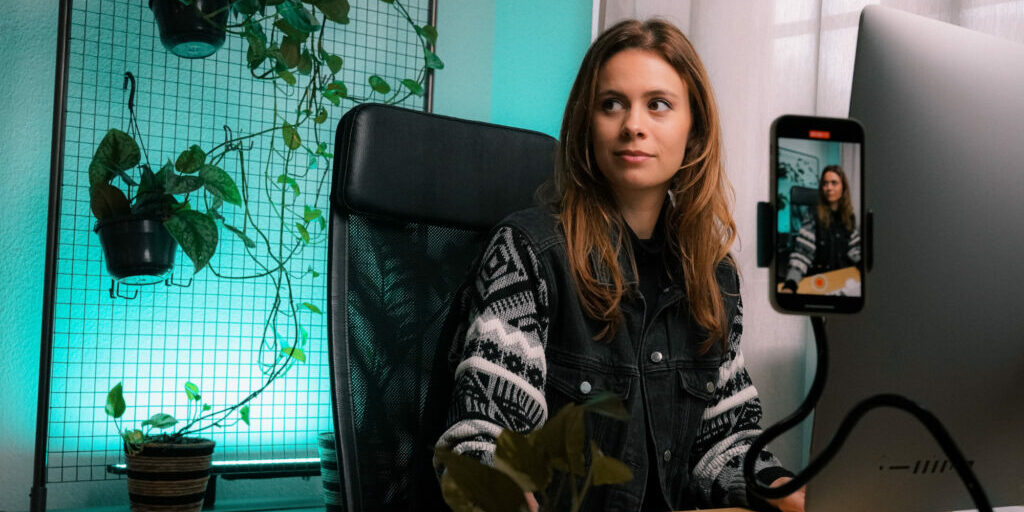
x=623, y=284
x=830, y=240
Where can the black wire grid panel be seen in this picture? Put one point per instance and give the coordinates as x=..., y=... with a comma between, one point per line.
x=200, y=328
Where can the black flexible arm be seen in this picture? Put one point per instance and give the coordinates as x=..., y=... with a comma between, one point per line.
x=902, y=403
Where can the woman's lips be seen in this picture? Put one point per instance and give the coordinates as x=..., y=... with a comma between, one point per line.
x=633, y=157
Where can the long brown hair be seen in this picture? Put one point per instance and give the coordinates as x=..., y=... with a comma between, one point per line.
x=699, y=224
x=845, y=203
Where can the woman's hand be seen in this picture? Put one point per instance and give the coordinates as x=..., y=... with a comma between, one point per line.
x=792, y=503
x=532, y=502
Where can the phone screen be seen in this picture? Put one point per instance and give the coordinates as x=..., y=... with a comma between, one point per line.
x=818, y=184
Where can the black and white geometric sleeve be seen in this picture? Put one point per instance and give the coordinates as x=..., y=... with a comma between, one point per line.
x=499, y=349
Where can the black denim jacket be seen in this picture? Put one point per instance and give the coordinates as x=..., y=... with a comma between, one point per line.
x=658, y=372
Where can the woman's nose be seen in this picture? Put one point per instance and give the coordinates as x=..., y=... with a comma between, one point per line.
x=633, y=126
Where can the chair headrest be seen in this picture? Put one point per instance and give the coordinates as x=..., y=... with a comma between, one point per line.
x=412, y=166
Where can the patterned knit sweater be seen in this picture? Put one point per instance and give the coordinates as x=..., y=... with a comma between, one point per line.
x=500, y=374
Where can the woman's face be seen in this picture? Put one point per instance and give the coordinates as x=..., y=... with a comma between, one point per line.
x=640, y=123
x=832, y=187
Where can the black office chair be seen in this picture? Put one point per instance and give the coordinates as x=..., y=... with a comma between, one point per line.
x=413, y=198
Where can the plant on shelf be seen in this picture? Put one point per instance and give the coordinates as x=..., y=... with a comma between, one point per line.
x=550, y=462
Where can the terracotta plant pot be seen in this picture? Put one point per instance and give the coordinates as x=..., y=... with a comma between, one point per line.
x=137, y=251
x=169, y=477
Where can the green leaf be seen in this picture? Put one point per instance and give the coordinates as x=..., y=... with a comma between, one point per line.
x=413, y=86
x=178, y=183
x=290, y=52
x=311, y=214
x=334, y=10
x=190, y=160
x=334, y=63
x=115, y=402
x=291, y=31
x=607, y=470
x=206, y=407
x=314, y=272
x=291, y=136
x=284, y=179
x=432, y=60
x=220, y=184
x=525, y=463
x=312, y=308
x=428, y=32
x=133, y=436
x=244, y=413
x=302, y=232
x=108, y=202
x=196, y=233
x=305, y=63
x=297, y=16
x=192, y=391
x=160, y=420
x=241, y=235
x=287, y=76
x=245, y=7
x=378, y=84
x=116, y=153
x=485, y=487
x=294, y=353
x=339, y=88
x=607, y=404
x=388, y=1
x=562, y=437
x=321, y=116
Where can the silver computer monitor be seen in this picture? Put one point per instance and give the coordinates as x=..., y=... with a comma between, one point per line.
x=943, y=324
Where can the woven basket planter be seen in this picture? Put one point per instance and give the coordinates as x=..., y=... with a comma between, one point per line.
x=334, y=496
x=169, y=477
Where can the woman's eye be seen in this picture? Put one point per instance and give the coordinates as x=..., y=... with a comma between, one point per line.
x=611, y=105
x=659, y=105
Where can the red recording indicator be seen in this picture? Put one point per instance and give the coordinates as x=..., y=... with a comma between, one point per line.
x=819, y=134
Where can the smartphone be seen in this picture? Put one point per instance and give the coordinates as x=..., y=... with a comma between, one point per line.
x=817, y=215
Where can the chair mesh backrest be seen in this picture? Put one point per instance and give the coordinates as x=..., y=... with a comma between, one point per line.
x=402, y=278
x=413, y=197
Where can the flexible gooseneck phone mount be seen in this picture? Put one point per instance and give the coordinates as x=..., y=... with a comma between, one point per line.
x=929, y=420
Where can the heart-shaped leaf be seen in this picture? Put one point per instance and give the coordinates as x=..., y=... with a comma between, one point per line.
x=220, y=184
x=483, y=486
x=311, y=214
x=432, y=60
x=428, y=32
x=303, y=232
x=321, y=116
x=312, y=308
x=291, y=31
x=290, y=52
x=525, y=463
x=378, y=84
x=244, y=414
x=115, y=402
x=607, y=470
x=413, y=86
x=160, y=420
x=294, y=353
x=297, y=16
x=108, y=202
x=291, y=136
x=116, y=153
x=196, y=233
x=190, y=160
x=334, y=10
x=334, y=63
x=192, y=391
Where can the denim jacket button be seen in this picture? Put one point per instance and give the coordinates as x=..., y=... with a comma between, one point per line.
x=667, y=456
x=584, y=387
x=656, y=357
x=711, y=387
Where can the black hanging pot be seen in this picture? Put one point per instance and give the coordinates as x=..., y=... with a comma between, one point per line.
x=184, y=29
x=137, y=250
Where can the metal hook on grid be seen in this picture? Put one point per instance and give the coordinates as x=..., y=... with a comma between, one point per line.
x=230, y=135
x=115, y=291
x=129, y=79
x=171, y=282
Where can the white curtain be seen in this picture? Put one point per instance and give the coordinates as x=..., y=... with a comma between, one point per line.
x=768, y=58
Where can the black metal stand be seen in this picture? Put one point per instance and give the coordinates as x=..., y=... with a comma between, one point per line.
x=930, y=421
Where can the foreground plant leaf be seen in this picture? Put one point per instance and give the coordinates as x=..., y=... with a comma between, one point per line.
x=108, y=202
x=115, y=402
x=482, y=486
x=607, y=470
x=562, y=437
x=525, y=463
x=116, y=153
x=161, y=421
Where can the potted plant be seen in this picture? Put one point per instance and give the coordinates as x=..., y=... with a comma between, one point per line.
x=193, y=29
x=554, y=457
x=139, y=235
